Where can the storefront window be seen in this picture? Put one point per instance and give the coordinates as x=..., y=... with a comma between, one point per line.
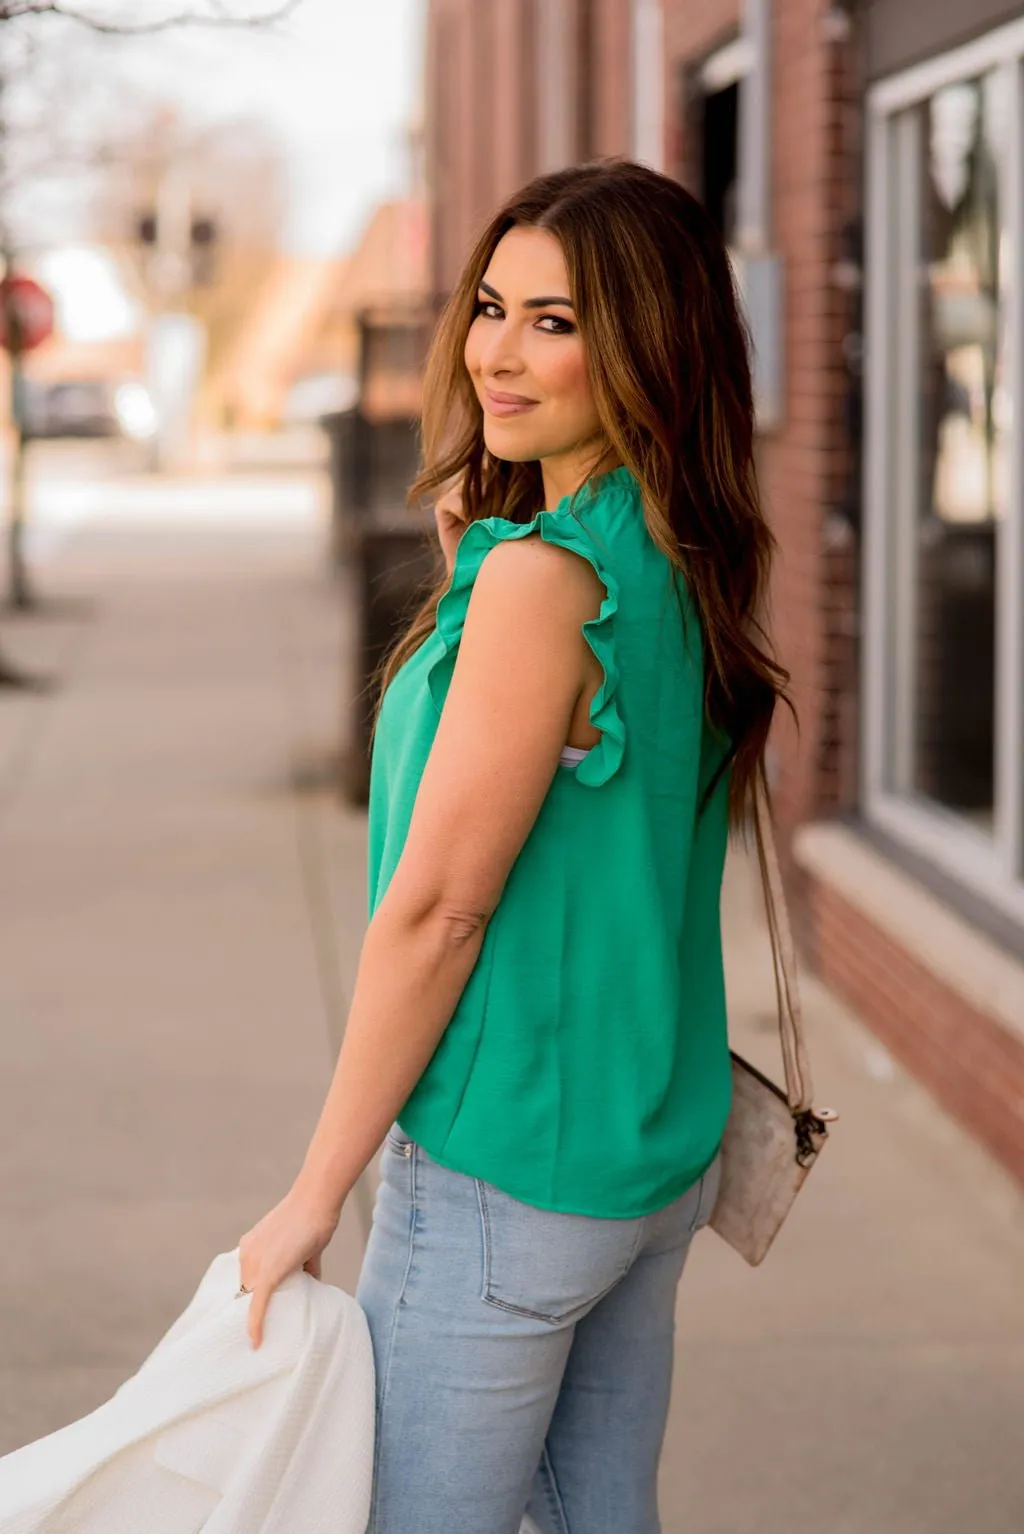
x=944, y=508
x=963, y=421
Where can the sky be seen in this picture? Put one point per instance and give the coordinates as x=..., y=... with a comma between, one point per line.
x=339, y=81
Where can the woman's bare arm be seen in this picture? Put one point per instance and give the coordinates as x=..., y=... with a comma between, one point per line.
x=521, y=667
x=519, y=673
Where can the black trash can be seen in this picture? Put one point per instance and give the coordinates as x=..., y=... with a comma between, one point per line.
x=349, y=470
x=397, y=561
x=371, y=465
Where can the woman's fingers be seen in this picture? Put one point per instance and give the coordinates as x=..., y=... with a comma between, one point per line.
x=256, y=1285
x=257, y=1312
x=451, y=500
x=288, y=1239
x=246, y=1268
x=261, y=1292
x=249, y=1284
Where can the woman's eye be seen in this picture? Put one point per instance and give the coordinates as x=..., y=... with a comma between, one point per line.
x=558, y=325
x=485, y=305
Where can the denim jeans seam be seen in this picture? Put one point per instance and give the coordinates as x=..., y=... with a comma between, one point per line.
x=400, y=1301
x=485, y=1231
x=695, y=1222
x=525, y=1311
x=641, y=1231
x=556, y=1507
x=701, y=1191
x=564, y=1317
x=485, y=1293
x=561, y=1318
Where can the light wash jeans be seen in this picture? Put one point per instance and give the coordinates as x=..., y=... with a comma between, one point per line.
x=524, y=1358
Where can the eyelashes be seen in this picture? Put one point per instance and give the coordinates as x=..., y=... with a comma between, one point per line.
x=555, y=324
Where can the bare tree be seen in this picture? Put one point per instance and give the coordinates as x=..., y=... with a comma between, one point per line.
x=33, y=16
x=215, y=13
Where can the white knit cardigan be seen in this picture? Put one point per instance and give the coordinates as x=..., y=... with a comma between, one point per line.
x=212, y=1436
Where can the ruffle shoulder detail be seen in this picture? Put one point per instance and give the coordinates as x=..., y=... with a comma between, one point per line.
x=563, y=527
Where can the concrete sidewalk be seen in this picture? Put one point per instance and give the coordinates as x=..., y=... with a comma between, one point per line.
x=181, y=904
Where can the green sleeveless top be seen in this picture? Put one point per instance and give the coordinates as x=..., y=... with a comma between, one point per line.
x=586, y=1066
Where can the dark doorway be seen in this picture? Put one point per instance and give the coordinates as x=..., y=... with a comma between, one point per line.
x=719, y=113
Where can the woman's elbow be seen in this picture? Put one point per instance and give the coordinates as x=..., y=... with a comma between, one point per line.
x=461, y=923
x=448, y=921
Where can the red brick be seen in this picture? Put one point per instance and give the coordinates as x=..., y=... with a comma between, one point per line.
x=972, y=1064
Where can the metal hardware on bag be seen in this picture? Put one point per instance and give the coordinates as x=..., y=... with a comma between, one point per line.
x=807, y=1125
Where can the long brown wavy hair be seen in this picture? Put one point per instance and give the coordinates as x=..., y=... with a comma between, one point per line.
x=668, y=360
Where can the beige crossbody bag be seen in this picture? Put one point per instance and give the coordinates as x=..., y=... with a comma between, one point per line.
x=772, y=1138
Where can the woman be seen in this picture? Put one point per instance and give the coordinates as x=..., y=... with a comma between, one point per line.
x=566, y=733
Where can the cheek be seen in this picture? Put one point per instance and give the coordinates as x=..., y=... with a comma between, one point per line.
x=562, y=374
x=472, y=348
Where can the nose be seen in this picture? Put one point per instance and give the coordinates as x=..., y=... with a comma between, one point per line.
x=500, y=357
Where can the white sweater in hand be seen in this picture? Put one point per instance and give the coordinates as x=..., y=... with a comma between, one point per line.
x=212, y=1436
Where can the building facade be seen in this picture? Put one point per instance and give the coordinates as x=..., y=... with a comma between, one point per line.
x=515, y=87
x=862, y=158
x=919, y=906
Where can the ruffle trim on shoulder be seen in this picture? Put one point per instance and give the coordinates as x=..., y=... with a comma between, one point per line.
x=562, y=527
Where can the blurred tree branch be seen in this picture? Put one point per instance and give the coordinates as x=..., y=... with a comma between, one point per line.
x=216, y=13
x=18, y=169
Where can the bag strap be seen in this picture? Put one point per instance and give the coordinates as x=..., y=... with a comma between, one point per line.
x=796, y=1065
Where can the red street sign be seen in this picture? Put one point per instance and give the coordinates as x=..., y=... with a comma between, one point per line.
x=26, y=314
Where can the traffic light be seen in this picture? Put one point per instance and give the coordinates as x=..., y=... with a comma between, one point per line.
x=197, y=263
x=203, y=234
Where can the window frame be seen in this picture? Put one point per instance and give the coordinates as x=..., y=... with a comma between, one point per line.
x=991, y=865
x=648, y=82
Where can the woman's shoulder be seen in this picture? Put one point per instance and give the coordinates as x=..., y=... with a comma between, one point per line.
x=519, y=578
x=558, y=553
x=535, y=570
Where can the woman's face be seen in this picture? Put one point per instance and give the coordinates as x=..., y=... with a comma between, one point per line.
x=526, y=357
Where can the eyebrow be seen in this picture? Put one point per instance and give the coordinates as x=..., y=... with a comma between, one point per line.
x=528, y=303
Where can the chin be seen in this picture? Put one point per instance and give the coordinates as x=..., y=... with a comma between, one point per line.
x=503, y=440
x=512, y=446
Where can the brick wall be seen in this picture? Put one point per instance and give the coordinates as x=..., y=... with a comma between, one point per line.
x=491, y=128
x=804, y=465
x=972, y=1064
x=510, y=84
x=475, y=133
x=611, y=96
x=490, y=75
x=512, y=126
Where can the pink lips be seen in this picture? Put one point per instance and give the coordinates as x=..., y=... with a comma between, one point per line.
x=507, y=404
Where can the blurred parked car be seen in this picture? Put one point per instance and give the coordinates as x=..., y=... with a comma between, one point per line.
x=88, y=408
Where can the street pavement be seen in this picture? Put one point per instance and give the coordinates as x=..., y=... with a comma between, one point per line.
x=181, y=905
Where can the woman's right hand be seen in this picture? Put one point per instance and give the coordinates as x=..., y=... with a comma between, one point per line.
x=291, y=1237
x=451, y=522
